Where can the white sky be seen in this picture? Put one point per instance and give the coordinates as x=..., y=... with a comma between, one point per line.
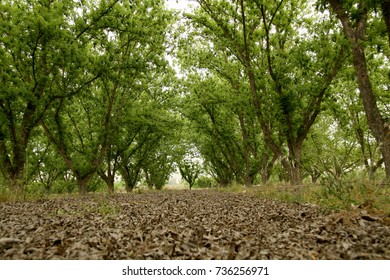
x=183, y=5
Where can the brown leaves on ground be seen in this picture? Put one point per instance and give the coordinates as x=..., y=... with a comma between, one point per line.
x=186, y=225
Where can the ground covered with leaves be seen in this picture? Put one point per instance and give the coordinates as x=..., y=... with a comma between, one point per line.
x=186, y=225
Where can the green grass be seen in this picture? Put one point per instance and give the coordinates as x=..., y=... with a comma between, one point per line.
x=7, y=196
x=343, y=196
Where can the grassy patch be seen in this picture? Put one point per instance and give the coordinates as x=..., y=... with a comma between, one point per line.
x=106, y=207
x=97, y=203
x=233, y=188
x=334, y=196
x=7, y=196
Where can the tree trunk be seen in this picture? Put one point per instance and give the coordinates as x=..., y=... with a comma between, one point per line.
x=355, y=34
x=386, y=154
x=129, y=184
x=296, y=176
x=108, y=179
x=374, y=119
x=16, y=181
x=266, y=167
x=254, y=90
x=386, y=141
x=110, y=184
x=82, y=183
x=293, y=171
x=295, y=153
x=264, y=177
x=287, y=168
x=386, y=16
x=248, y=176
x=130, y=176
x=14, y=168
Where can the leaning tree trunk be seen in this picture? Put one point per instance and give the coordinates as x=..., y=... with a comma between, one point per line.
x=355, y=34
x=386, y=16
x=374, y=118
x=386, y=141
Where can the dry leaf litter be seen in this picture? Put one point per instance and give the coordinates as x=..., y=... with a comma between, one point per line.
x=186, y=225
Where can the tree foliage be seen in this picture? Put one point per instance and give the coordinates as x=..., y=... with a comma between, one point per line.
x=97, y=92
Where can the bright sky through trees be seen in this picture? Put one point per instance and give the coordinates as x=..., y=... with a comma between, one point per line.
x=179, y=4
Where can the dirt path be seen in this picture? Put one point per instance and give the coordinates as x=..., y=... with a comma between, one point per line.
x=185, y=225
